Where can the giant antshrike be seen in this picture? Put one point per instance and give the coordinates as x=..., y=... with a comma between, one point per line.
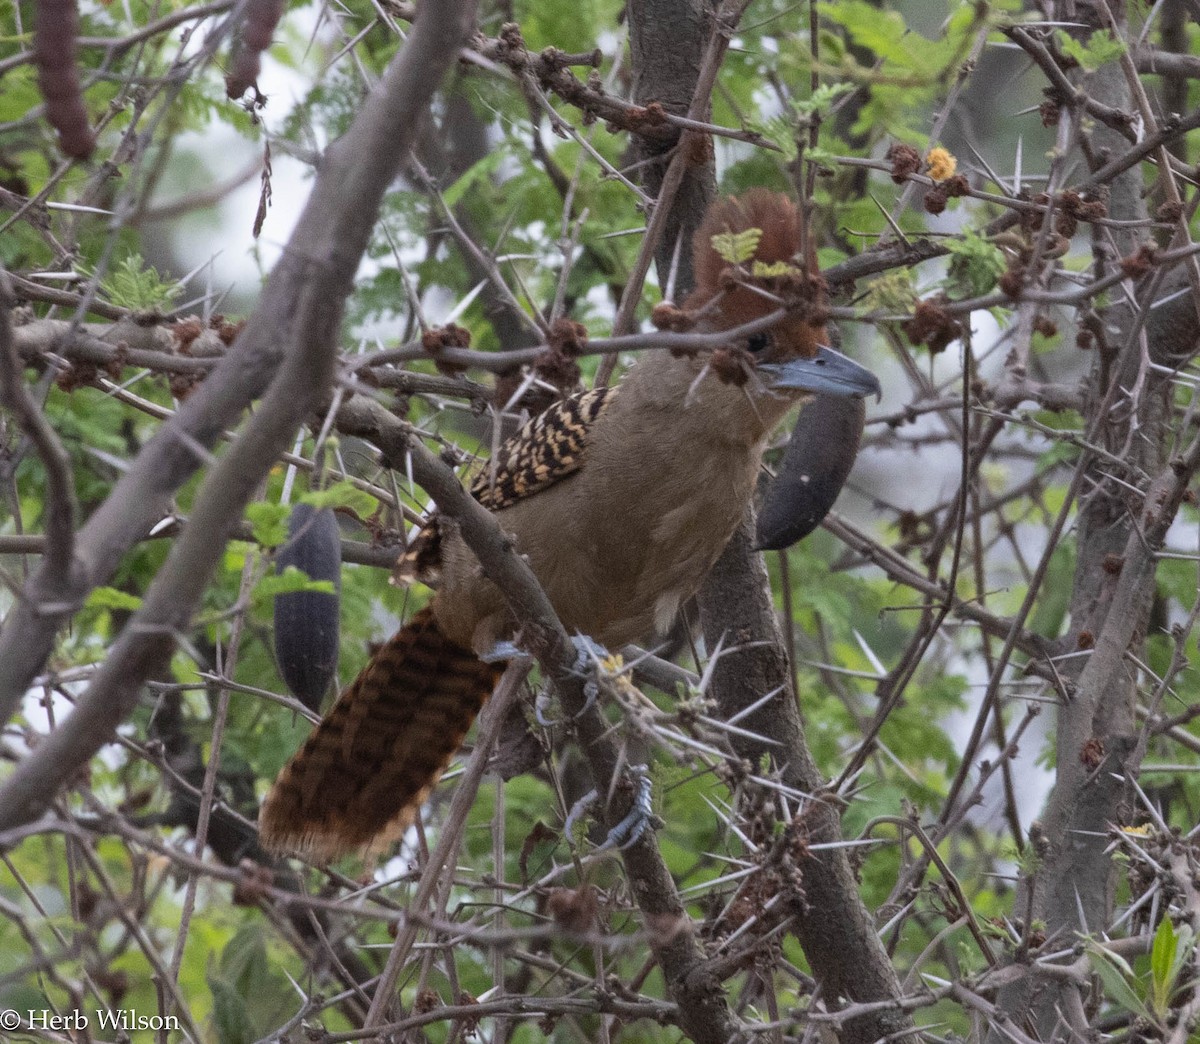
x=622, y=498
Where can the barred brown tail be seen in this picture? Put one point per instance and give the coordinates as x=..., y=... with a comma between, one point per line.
x=361, y=776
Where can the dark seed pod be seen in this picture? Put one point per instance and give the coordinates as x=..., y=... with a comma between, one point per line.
x=818, y=460
x=306, y=622
x=262, y=16
x=55, y=31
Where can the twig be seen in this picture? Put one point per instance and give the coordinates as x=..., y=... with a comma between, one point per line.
x=449, y=836
x=59, y=571
x=703, y=1012
x=726, y=20
x=301, y=303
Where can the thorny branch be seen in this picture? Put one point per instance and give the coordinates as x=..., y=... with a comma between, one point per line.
x=1036, y=425
x=59, y=548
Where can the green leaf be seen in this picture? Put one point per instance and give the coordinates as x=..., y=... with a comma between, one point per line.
x=1117, y=977
x=736, y=247
x=824, y=158
x=1185, y=945
x=291, y=579
x=572, y=27
x=249, y=997
x=1171, y=951
x=111, y=598
x=763, y=270
x=1162, y=958
x=134, y=284
x=1055, y=596
x=882, y=32
x=479, y=171
x=1100, y=49
x=892, y=292
x=342, y=495
x=230, y=1018
x=820, y=102
x=978, y=263
x=20, y=92
x=780, y=131
x=268, y=522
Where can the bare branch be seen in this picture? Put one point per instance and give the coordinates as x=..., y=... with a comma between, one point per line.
x=59, y=568
x=702, y=1011
x=301, y=305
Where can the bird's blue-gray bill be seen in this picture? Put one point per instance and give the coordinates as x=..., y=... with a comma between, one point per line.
x=826, y=373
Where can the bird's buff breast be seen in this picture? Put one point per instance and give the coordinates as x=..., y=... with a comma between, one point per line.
x=618, y=573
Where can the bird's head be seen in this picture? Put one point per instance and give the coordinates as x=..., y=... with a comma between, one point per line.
x=750, y=260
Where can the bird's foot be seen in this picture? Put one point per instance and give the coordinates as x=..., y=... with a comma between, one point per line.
x=502, y=652
x=587, y=652
x=579, y=810
x=541, y=706
x=630, y=830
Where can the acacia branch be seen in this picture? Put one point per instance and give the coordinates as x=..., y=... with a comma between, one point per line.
x=58, y=566
x=301, y=305
x=703, y=1013
x=1120, y=527
x=833, y=925
x=683, y=161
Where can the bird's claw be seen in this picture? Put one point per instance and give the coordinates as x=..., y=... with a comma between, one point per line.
x=587, y=652
x=630, y=830
x=502, y=652
x=539, y=710
x=590, y=691
x=578, y=810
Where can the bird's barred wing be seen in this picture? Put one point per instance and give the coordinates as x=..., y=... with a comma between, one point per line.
x=550, y=447
x=546, y=450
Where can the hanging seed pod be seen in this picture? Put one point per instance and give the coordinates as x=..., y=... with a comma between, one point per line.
x=815, y=466
x=55, y=31
x=262, y=16
x=307, y=622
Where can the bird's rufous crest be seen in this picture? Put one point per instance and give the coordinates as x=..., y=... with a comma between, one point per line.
x=775, y=275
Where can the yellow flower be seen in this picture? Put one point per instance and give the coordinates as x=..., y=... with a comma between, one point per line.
x=942, y=163
x=613, y=663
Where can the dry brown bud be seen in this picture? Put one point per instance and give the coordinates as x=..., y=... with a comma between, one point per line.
x=956, y=186
x=1044, y=325
x=905, y=161
x=1012, y=282
x=1140, y=262
x=427, y=1000
x=932, y=326
x=1092, y=753
x=568, y=337
x=669, y=316
x=732, y=364
x=574, y=909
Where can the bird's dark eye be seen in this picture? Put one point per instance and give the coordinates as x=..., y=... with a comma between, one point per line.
x=758, y=342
